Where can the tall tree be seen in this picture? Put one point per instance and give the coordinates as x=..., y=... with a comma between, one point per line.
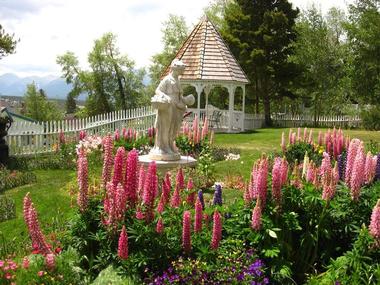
x=321, y=54
x=260, y=34
x=364, y=38
x=7, y=43
x=38, y=107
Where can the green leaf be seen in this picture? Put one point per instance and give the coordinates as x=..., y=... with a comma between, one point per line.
x=272, y=234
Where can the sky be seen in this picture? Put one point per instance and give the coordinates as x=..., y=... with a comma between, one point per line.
x=47, y=28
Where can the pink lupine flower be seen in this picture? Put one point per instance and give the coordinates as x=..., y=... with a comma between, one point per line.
x=180, y=180
x=374, y=227
x=284, y=171
x=262, y=176
x=256, y=216
x=304, y=134
x=139, y=214
x=122, y=250
x=165, y=191
x=216, y=230
x=310, y=139
x=50, y=261
x=357, y=178
x=328, y=189
x=35, y=233
x=61, y=138
x=294, y=138
x=311, y=172
x=351, y=155
x=325, y=169
x=117, y=135
x=253, y=181
x=150, y=181
x=298, y=134
x=276, y=180
x=198, y=216
x=118, y=166
x=247, y=196
x=141, y=180
x=160, y=226
x=107, y=162
x=320, y=138
x=370, y=168
x=335, y=173
x=190, y=200
x=40, y=273
x=124, y=133
x=186, y=237
x=305, y=165
x=290, y=136
x=283, y=144
x=25, y=263
x=176, y=198
x=131, y=185
x=82, y=178
x=204, y=129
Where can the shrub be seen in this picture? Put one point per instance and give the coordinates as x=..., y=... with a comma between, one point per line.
x=11, y=179
x=371, y=118
x=7, y=208
x=296, y=152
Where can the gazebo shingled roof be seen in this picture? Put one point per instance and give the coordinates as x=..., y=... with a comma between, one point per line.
x=207, y=56
x=209, y=63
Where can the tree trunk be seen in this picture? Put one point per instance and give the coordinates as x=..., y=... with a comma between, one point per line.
x=257, y=101
x=266, y=102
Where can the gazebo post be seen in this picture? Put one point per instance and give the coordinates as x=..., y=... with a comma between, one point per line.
x=243, y=109
x=198, y=89
x=231, y=103
x=207, y=92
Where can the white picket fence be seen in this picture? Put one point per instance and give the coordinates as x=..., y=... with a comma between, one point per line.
x=27, y=138
x=291, y=121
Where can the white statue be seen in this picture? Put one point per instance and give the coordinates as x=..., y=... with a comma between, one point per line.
x=171, y=106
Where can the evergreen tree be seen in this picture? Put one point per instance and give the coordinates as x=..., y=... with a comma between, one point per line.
x=7, y=43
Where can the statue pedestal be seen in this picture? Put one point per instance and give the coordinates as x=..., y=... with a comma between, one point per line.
x=164, y=166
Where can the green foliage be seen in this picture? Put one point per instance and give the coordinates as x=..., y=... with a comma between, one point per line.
x=371, y=118
x=66, y=270
x=7, y=208
x=363, y=34
x=206, y=167
x=296, y=152
x=7, y=43
x=219, y=153
x=187, y=147
x=260, y=34
x=357, y=266
x=112, y=276
x=38, y=107
x=11, y=179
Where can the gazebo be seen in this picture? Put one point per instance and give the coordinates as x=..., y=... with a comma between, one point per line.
x=209, y=63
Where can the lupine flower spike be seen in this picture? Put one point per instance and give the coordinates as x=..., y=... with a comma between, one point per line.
x=122, y=250
x=216, y=230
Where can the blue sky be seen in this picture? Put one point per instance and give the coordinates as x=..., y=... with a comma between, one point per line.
x=48, y=28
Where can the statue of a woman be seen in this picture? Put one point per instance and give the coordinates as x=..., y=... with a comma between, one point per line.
x=170, y=105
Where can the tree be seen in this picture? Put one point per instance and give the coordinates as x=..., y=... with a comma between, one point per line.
x=38, y=107
x=71, y=105
x=174, y=33
x=321, y=53
x=364, y=38
x=260, y=34
x=7, y=43
x=112, y=82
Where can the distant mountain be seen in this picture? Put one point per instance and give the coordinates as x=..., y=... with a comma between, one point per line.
x=55, y=87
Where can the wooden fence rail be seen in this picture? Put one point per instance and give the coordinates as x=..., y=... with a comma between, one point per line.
x=27, y=138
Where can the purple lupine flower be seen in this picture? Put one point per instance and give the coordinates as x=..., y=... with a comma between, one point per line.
x=341, y=166
x=377, y=175
x=218, y=195
x=201, y=199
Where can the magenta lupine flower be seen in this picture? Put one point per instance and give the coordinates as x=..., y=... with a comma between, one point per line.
x=50, y=261
x=114, y=203
x=180, y=180
x=256, y=216
x=118, y=166
x=165, y=191
x=131, y=183
x=161, y=205
x=311, y=172
x=328, y=189
x=351, y=155
x=283, y=144
x=139, y=214
x=82, y=135
x=82, y=178
x=276, y=180
x=150, y=181
x=124, y=133
x=284, y=171
x=253, y=181
x=357, y=178
x=35, y=233
x=176, y=198
x=141, y=180
x=122, y=250
x=190, y=199
x=216, y=230
x=374, y=227
x=107, y=162
x=116, y=135
x=262, y=176
x=186, y=237
x=198, y=216
x=195, y=129
x=160, y=226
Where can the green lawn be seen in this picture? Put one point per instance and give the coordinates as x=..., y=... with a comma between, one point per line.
x=51, y=192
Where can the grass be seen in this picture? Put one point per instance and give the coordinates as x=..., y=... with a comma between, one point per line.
x=51, y=192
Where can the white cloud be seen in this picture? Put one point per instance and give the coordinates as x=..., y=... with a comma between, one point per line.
x=48, y=28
